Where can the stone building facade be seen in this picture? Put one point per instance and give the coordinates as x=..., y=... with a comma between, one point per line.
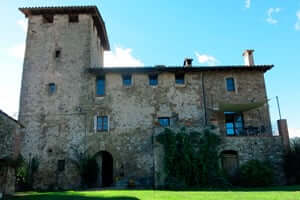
x=70, y=103
x=10, y=146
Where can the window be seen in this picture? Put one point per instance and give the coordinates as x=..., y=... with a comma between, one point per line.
x=100, y=86
x=164, y=121
x=230, y=84
x=102, y=123
x=234, y=123
x=179, y=79
x=153, y=79
x=73, y=18
x=51, y=88
x=57, y=53
x=47, y=19
x=127, y=80
x=61, y=165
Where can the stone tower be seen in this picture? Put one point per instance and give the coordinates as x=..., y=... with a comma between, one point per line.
x=62, y=42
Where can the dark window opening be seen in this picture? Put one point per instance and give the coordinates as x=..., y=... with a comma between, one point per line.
x=73, y=18
x=51, y=88
x=234, y=123
x=100, y=86
x=127, y=80
x=179, y=79
x=153, y=80
x=230, y=84
x=102, y=123
x=61, y=165
x=164, y=121
x=48, y=19
x=57, y=53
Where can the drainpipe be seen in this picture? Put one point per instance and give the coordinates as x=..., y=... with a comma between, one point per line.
x=204, y=99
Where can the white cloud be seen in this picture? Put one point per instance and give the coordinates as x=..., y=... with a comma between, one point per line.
x=270, y=13
x=121, y=57
x=23, y=24
x=297, y=25
x=294, y=132
x=204, y=58
x=248, y=3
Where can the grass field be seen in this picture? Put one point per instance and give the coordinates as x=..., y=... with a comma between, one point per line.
x=272, y=193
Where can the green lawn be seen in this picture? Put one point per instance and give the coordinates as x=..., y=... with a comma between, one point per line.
x=272, y=193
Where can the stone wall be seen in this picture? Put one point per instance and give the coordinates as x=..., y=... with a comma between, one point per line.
x=11, y=137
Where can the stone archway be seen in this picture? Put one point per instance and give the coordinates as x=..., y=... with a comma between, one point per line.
x=105, y=164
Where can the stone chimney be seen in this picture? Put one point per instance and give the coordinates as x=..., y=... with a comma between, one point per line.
x=248, y=57
x=284, y=133
x=188, y=62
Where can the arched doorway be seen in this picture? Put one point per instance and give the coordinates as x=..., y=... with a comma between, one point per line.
x=105, y=164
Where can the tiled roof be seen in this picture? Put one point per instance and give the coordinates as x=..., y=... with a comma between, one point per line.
x=158, y=69
x=92, y=10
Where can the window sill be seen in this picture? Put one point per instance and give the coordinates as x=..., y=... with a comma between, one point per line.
x=99, y=98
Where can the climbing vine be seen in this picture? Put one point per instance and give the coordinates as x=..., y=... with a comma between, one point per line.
x=191, y=159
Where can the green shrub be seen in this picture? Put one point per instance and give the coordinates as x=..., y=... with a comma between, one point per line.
x=292, y=162
x=255, y=173
x=191, y=159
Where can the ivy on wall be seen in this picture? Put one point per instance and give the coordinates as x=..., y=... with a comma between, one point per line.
x=191, y=159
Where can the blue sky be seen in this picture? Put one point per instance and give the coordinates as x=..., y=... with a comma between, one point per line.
x=147, y=33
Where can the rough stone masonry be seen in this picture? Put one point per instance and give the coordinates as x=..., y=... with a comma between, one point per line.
x=70, y=103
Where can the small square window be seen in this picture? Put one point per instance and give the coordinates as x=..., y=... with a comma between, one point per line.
x=61, y=165
x=230, y=84
x=102, y=123
x=73, y=18
x=100, y=86
x=127, y=80
x=153, y=80
x=47, y=19
x=51, y=88
x=57, y=53
x=179, y=79
x=164, y=121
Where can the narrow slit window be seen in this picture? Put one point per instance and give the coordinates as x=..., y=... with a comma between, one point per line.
x=48, y=19
x=73, y=18
x=127, y=79
x=153, y=79
x=179, y=79
x=102, y=123
x=51, y=88
x=57, y=53
x=230, y=85
x=100, y=86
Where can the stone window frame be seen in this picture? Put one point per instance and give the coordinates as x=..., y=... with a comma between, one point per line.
x=169, y=119
x=132, y=80
x=51, y=90
x=235, y=84
x=149, y=79
x=184, y=80
x=96, y=86
x=96, y=123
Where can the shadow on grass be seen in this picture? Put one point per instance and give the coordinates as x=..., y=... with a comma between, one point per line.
x=65, y=196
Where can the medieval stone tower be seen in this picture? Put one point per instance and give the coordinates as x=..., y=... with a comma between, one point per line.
x=62, y=42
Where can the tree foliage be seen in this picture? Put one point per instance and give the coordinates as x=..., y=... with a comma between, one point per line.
x=292, y=162
x=191, y=159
